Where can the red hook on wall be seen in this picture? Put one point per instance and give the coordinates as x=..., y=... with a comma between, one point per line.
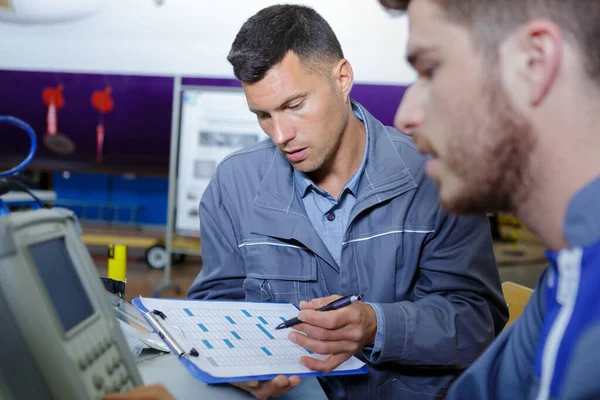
x=103, y=102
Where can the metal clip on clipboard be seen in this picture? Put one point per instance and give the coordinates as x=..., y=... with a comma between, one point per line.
x=166, y=336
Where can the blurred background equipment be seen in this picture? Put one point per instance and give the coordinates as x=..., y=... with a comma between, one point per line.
x=128, y=77
x=61, y=339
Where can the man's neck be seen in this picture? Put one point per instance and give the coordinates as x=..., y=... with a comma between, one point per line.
x=346, y=160
x=563, y=170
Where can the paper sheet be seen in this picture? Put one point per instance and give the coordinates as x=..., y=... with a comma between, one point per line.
x=237, y=338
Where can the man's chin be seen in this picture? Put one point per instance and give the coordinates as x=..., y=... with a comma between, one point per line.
x=469, y=205
x=454, y=201
x=452, y=206
x=304, y=167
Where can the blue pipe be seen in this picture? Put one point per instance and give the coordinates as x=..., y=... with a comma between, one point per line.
x=32, y=148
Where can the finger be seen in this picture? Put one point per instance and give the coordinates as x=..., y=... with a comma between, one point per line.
x=330, y=319
x=323, y=347
x=318, y=302
x=246, y=385
x=280, y=381
x=295, y=380
x=315, y=332
x=154, y=392
x=292, y=382
x=327, y=365
x=350, y=333
x=275, y=388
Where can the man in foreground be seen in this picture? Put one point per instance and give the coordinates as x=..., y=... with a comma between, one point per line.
x=506, y=105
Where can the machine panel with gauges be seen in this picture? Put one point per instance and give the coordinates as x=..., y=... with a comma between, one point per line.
x=61, y=339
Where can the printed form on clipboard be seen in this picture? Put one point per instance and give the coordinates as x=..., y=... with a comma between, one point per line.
x=232, y=341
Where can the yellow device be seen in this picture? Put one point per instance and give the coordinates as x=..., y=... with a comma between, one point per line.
x=117, y=262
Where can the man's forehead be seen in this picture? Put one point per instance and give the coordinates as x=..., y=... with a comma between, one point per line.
x=424, y=10
x=421, y=39
x=428, y=26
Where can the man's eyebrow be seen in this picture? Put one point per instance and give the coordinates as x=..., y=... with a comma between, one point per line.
x=257, y=112
x=285, y=103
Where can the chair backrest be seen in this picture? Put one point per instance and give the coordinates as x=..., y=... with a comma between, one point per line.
x=517, y=296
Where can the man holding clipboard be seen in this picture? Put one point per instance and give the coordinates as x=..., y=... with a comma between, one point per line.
x=337, y=204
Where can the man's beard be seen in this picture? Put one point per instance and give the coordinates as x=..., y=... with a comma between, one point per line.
x=489, y=151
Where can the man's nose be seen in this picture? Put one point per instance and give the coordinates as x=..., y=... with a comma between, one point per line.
x=410, y=115
x=283, y=131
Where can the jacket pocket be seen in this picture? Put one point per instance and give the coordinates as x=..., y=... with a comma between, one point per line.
x=279, y=273
x=396, y=388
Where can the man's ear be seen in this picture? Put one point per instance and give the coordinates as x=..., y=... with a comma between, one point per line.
x=343, y=76
x=538, y=48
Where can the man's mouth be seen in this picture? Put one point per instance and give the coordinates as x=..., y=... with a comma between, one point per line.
x=296, y=155
x=424, y=146
x=294, y=150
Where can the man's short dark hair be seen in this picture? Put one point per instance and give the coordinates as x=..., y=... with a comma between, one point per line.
x=270, y=34
x=491, y=20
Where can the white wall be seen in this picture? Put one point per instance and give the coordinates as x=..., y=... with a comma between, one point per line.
x=192, y=38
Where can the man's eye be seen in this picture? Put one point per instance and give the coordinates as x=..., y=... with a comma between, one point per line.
x=428, y=72
x=295, y=106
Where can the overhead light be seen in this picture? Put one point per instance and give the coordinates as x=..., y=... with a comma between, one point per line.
x=5, y=4
x=48, y=12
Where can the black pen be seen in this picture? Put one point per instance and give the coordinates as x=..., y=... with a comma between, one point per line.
x=334, y=305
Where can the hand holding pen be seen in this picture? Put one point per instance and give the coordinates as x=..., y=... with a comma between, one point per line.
x=334, y=305
x=339, y=333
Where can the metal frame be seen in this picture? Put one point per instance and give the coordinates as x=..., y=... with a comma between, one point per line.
x=172, y=200
x=178, y=89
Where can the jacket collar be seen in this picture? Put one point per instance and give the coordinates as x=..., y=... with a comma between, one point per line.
x=384, y=170
x=278, y=210
x=581, y=226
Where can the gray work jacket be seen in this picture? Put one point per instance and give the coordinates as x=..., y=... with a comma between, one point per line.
x=434, y=275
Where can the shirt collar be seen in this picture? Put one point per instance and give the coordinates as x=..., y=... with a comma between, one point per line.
x=304, y=184
x=582, y=221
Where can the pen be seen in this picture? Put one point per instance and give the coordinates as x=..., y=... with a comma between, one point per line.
x=165, y=335
x=334, y=305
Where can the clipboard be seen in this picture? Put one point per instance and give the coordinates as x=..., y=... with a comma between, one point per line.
x=182, y=324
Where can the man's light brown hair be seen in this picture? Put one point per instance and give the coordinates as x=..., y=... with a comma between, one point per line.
x=491, y=20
